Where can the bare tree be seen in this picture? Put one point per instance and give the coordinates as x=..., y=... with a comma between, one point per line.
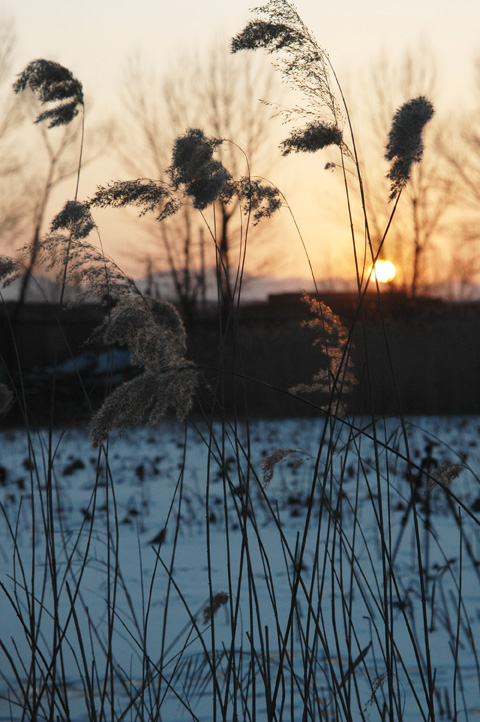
x=463, y=152
x=24, y=198
x=11, y=213
x=56, y=152
x=221, y=96
x=60, y=165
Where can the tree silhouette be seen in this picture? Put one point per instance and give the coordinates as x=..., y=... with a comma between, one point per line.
x=220, y=95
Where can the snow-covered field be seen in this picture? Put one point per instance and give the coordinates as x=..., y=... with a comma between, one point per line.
x=141, y=540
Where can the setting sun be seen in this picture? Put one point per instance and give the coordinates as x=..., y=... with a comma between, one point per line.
x=383, y=272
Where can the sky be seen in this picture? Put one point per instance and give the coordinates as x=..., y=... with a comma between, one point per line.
x=95, y=37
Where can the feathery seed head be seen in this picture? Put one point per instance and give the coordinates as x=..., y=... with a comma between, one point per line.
x=270, y=461
x=263, y=34
x=218, y=601
x=74, y=217
x=152, y=330
x=67, y=249
x=303, y=64
x=52, y=82
x=444, y=475
x=193, y=166
x=9, y=270
x=315, y=136
x=337, y=377
x=405, y=144
x=257, y=198
x=145, y=399
x=154, y=333
x=148, y=195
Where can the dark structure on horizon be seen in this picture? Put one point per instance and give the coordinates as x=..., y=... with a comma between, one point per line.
x=434, y=345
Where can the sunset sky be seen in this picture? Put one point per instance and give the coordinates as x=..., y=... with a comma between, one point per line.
x=94, y=38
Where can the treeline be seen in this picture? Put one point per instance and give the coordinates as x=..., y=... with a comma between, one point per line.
x=418, y=357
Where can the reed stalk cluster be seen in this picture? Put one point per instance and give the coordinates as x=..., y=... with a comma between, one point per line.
x=345, y=631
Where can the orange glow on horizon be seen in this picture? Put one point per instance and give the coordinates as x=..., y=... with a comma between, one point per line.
x=383, y=272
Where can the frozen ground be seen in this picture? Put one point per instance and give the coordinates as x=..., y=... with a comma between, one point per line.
x=155, y=485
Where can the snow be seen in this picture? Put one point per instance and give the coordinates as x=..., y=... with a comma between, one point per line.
x=157, y=478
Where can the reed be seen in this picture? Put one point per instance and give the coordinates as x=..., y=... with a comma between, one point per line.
x=346, y=630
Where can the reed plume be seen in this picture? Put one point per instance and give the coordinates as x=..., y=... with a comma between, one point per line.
x=405, y=143
x=333, y=340
x=155, y=335
x=194, y=177
x=52, y=82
